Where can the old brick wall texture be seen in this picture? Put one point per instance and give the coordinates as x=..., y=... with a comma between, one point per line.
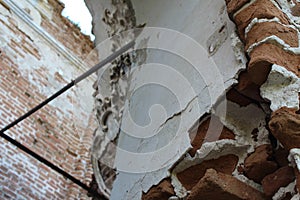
x=267, y=167
x=30, y=70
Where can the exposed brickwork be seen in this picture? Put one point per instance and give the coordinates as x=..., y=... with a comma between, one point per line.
x=263, y=54
x=216, y=185
x=260, y=163
x=67, y=33
x=235, y=5
x=285, y=127
x=273, y=54
x=267, y=165
x=60, y=132
x=265, y=29
x=162, y=191
x=190, y=177
x=259, y=9
x=280, y=178
x=201, y=136
x=267, y=32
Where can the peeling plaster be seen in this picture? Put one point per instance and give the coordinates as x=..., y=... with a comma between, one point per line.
x=208, y=151
x=131, y=138
x=294, y=157
x=286, y=6
x=281, y=88
x=296, y=197
x=281, y=193
x=237, y=119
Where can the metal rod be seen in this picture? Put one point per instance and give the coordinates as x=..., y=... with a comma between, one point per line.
x=45, y=102
x=44, y=161
x=36, y=108
x=69, y=85
x=104, y=62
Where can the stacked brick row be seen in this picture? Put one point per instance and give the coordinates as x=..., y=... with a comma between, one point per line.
x=269, y=31
x=52, y=132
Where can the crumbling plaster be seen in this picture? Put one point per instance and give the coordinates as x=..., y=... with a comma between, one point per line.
x=208, y=24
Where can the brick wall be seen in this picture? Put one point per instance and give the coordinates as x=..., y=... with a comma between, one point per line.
x=32, y=68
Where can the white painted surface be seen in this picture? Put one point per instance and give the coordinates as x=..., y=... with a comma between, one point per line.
x=194, y=58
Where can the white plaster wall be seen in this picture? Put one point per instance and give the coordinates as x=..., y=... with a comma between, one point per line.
x=185, y=73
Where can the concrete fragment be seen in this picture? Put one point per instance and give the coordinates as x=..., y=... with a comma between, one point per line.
x=217, y=43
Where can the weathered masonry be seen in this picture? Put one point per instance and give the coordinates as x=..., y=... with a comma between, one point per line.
x=206, y=106
x=41, y=51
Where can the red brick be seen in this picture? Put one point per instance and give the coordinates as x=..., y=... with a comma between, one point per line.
x=216, y=185
x=189, y=177
x=259, y=9
x=260, y=163
x=265, y=29
x=280, y=178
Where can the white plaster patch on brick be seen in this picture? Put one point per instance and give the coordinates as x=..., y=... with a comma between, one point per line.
x=286, y=8
x=255, y=21
x=281, y=193
x=238, y=49
x=243, y=121
x=31, y=11
x=43, y=7
x=281, y=88
x=208, y=151
x=294, y=157
x=271, y=39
